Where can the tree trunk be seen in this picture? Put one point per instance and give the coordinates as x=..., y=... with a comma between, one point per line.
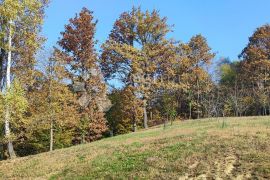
x=165, y=121
x=190, y=107
x=83, y=139
x=111, y=133
x=2, y=152
x=134, y=120
x=134, y=126
x=2, y=69
x=198, y=100
x=8, y=84
x=51, y=137
x=11, y=151
x=8, y=79
x=50, y=104
x=134, y=123
x=145, y=119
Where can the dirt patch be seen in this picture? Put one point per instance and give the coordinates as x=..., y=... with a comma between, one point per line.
x=222, y=168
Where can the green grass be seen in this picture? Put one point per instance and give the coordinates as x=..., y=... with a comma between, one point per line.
x=226, y=148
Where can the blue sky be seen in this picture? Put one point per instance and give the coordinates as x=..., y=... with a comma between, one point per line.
x=226, y=24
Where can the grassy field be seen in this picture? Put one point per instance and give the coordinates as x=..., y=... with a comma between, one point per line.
x=229, y=148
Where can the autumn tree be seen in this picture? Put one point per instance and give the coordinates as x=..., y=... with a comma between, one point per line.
x=14, y=99
x=169, y=105
x=60, y=104
x=78, y=51
x=194, y=57
x=133, y=51
x=235, y=96
x=123, y=118
x=20, y=25
x=255, y=67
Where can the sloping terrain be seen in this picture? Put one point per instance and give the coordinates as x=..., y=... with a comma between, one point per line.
x=229, y=148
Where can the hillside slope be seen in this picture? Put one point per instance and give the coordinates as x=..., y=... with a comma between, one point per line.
x=215, y=148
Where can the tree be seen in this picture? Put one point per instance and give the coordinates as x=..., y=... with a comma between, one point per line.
x=52, y=112
x=168, y=103
x=16, y=18
x=195, y=56
x=78, y=51
x=14, y=99
x=200, y=56
x=237, y=98
x=256, y=65
x=122, y=117
x=61, y=103
x=133, y=52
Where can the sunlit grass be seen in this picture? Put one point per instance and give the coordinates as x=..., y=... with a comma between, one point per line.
x=224, y=148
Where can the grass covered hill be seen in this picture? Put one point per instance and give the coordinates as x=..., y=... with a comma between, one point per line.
x=226, y=148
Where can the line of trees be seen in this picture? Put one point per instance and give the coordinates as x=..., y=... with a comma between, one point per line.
x=49, y=99
x=61, y=98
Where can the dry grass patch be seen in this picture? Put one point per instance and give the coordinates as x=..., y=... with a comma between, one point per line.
x=225, y=148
